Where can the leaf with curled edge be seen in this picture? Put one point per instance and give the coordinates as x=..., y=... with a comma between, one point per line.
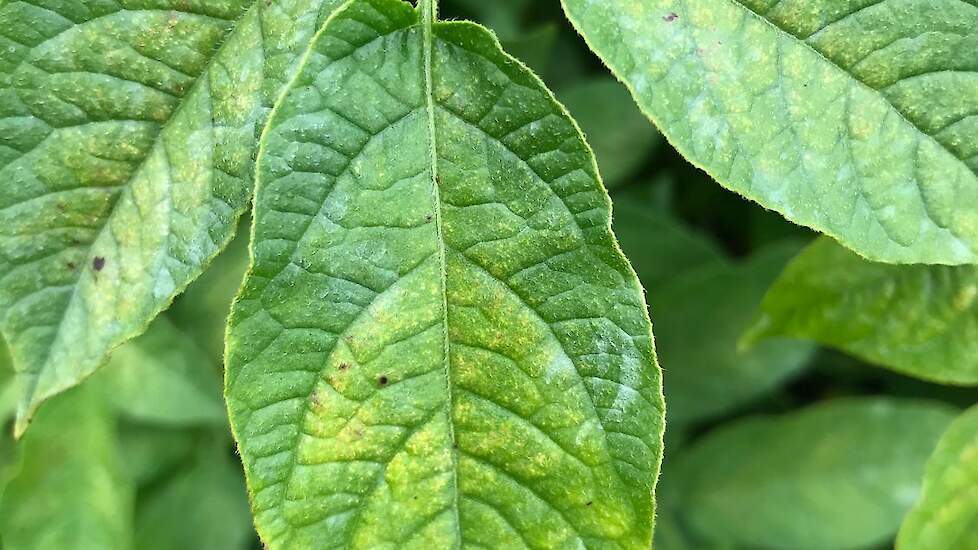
x=856, y=118
x=920, y=320
x=439, y=343
x=127, y=133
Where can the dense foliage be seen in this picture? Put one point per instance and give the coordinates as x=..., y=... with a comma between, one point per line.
x=387, y=229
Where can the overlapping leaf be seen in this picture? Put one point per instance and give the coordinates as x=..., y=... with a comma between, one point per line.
x=127, y=132
x=918, y=320
x=945, y=515
x=438, y=342
x=858, y=119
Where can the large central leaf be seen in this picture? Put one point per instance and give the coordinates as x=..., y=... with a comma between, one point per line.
x=127, y=132
x=439, y=342
x=858, y=118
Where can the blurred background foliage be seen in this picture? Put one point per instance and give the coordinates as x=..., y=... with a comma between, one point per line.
x=779, y=445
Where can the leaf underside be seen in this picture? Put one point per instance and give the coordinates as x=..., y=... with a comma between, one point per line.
x=127, y=132
x=856, y=118
x=439, y=343
x=919, y=320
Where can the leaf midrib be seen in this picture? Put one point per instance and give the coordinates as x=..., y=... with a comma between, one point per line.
x=429, y=11
x=30, y=388
x=804, y=42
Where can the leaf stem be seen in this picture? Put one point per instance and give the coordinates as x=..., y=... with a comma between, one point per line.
x=429, y=12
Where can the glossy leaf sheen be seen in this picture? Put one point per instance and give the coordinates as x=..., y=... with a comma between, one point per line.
x=918, y=320
x=127, y=133
x=856, y=118
x=439, y=343
x=836, y=476
x=946, y=513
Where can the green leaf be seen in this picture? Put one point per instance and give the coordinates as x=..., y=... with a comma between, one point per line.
x=836, y=476
x=8, y=385
x=150, y=453
x=700, y=316
x=163, y=377
x=945, y=515
x=856, y=118
x=128, y=132
x=918, y=320
x=660, y=247
x=438, y=342
x=204, y=506
x=621, y=136
x=71, y=491
x=202, y=310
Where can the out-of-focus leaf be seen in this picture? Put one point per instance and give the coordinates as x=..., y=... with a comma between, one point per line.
x=659, y=246
x=152, y=452
x=203, y=506
x=837, y=476
x=71, y=490
x=504, y=17
x=699, y=317
x=534, y=47
x=946, y=515
x=918, y=320
x=202, y=311
x=622, y=138
x=855, y=118
x=164, y=377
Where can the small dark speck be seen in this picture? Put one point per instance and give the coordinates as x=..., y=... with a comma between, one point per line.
x=670, y=18
x=71, y=265
x=98, y=263
x=429, y=217
x=589, y=503
x=344, y=366
x=382, y=380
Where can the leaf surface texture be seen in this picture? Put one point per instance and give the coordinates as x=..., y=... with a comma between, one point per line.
x=438, y=344
x=127, y=133
x=857, y=118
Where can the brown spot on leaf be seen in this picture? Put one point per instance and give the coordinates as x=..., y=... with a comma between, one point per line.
x=71, y=265
x=344, y=366
x=383, y=380
x=670, y=18
x=98, y=263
